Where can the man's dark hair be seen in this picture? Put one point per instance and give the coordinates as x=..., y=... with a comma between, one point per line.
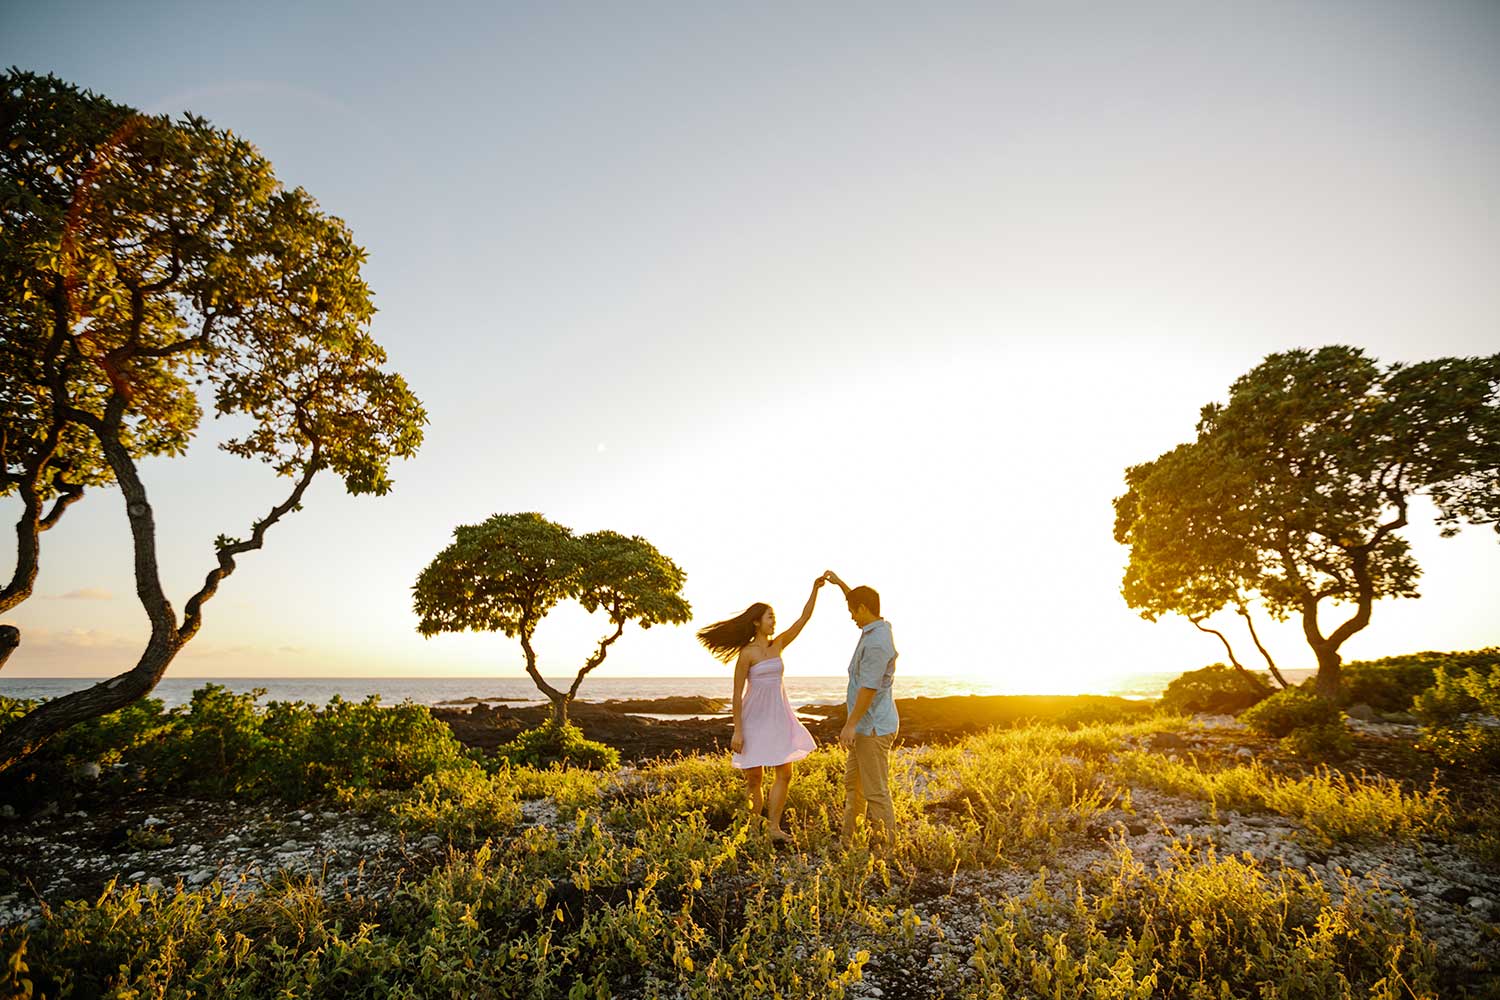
x=867, y=597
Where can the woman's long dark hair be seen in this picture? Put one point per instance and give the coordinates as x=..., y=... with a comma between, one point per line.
x=725, y=639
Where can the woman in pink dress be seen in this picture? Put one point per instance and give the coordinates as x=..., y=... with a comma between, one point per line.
x=767, y=733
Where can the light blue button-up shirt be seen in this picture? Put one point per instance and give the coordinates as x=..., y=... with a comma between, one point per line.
x=874, y=666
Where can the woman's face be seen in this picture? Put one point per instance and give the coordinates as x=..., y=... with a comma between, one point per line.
x=767, y=623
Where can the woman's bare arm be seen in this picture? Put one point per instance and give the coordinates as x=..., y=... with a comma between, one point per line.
x=741, y=669
x=785, y=639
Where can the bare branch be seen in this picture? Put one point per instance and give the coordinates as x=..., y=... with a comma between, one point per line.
x=192, y=618
x=1249, y=677
x=1244, y=613
x=70, y=494
x=595, y=659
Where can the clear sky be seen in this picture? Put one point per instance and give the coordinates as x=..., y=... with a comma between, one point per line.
x=896, y=289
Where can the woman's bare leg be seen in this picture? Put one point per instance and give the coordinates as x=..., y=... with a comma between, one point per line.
x=752, y=786
x=779, y=789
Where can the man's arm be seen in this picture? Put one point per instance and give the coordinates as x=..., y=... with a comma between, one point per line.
x=861, y=706
x=833, y=577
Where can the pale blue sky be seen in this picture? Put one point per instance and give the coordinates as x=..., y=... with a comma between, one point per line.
x=653, y=267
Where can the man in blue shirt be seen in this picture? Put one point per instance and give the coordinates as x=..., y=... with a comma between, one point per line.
x=872, y=721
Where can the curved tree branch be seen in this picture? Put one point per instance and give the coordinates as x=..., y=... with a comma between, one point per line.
x=192, y=618
x=1245, y=614
x=1250, y=678
x=595, y=659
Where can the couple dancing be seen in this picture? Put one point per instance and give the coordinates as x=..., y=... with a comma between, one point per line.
x=767, y=732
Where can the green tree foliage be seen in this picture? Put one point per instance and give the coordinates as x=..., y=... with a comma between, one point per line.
x=147, y=264
x=1294, y=491
x=506, y=574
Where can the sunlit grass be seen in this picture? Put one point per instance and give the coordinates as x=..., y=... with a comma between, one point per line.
x=1203, y=926
x=1330, y=805
x=656, y=882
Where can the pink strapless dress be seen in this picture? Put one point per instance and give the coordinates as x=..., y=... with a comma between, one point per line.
x=773, y=734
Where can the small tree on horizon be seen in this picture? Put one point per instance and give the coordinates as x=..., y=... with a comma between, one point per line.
x=506, y=574
x=1294, y=491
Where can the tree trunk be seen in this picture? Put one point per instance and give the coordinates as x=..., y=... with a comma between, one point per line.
x=27, y=735
x=1330, y=678
x=10, y=638
x=558, y=698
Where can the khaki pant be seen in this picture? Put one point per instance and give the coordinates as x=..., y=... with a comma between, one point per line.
x=867, y=788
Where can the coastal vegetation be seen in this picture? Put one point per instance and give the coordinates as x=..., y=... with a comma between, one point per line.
x=1295, y=491
x=1141, y=858
x=1239, y=838
x=150, y=266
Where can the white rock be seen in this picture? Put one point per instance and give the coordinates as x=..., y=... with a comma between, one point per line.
x=154, y=882
x=137, y=876
x=154, y=821
x=1478, y=904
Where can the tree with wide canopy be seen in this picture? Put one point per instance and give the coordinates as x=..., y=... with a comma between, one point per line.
x=505, y=575
x=148, y=266
x=1295, y=490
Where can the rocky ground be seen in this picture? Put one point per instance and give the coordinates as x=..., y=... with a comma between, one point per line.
x=160, y=841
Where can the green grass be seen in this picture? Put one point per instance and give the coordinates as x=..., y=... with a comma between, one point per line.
x=1330, y=805
x=1203, y=926
x=654, y=883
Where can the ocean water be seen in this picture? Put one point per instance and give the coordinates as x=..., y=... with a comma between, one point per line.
x=520, y=691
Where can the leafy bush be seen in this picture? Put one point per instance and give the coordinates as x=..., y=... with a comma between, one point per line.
x=354, y=745
x=1215, y=689
x=121, y=736
x=1461, y=716
x=1290, y=710
x=1202, y=927
x=221, y=744
x=211, y=746
x=12, y=709
x=1322, y=742
x=128, y=736
x=464, y=806
x=550, y=744
x=1392, y=683
x=570, y=789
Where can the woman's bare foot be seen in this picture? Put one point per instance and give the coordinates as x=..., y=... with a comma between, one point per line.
x=778, y=836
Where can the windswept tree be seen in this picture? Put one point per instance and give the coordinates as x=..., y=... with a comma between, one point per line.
x=1188, y=554
x=147, y=264
x=1295, y=490
x=506, y=574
